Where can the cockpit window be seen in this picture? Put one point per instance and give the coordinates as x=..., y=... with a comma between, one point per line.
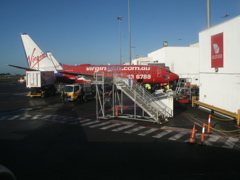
x=168, y=71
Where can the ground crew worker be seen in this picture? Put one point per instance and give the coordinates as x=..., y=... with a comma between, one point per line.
x=148, y=87
x=82, y=97
x=167, y=87
x=63, y=95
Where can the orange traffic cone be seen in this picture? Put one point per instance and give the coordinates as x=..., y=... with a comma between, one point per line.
x=209, y=124
x=192, y=139
x=203, y=133
x=116, y=111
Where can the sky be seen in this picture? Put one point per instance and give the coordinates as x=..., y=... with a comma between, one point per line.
x=87, y=31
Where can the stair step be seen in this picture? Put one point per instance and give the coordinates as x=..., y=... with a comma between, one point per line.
x=142, y=102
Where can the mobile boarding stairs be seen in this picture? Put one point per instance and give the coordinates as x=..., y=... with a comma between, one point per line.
x=159, y=106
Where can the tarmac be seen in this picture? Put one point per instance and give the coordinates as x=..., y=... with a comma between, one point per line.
x=185, y=117
x=63, y=147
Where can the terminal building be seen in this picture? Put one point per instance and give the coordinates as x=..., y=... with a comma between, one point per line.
x=219, y=65
x=183, y=61
x=212, y=64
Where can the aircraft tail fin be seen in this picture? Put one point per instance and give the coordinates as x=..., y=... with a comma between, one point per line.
x=35, y=57
x=55, y=62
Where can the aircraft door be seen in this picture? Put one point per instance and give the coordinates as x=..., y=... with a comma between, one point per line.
x=159, y=72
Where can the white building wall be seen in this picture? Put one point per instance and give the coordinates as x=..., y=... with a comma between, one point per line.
x=141, y=61
x=222, y=88
x=183, y=61
x=158, y=55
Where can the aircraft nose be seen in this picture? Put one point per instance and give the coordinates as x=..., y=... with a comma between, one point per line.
x=173, y=77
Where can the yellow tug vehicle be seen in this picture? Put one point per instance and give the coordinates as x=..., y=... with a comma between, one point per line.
x=73, y=92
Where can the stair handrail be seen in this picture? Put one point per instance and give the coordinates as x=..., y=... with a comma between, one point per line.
x=147, y=96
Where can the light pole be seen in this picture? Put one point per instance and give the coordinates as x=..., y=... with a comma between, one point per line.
x=129, y=34
x=120, y=38
x=133, y=51
x=208, y=14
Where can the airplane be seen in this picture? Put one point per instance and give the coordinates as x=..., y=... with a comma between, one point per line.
x=225, y=15
x=37, y=60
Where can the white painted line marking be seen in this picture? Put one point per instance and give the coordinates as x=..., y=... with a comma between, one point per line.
x=122, y=128
x=147, y=132
x=22, y=118
x=47, y=116
x=36, y=117
x=14, y=117
x=134, y=130
x=211, y=140
x=100, y=124
x=176, y=129
x=85, y=120
x=55, y=116
x=230, y=142
x=162, y=134
x=89, y=123
x=110, y=126
x=177, y=136
x=25, y=117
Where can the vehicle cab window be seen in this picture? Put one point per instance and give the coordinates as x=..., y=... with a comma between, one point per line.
x=76, y=88
x=68, y=88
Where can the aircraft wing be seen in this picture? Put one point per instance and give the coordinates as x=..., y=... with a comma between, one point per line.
x=19, y=67
x=74, y=74
x=85, y=76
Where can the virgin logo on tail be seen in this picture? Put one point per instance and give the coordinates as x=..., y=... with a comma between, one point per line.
x=34, y=60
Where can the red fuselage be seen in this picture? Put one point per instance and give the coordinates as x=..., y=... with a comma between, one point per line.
x=146, y=73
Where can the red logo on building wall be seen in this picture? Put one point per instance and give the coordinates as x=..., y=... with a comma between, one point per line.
x=217, y=50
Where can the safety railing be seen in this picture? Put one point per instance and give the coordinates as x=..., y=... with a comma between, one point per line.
x=223, y=111
x=144, y=97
